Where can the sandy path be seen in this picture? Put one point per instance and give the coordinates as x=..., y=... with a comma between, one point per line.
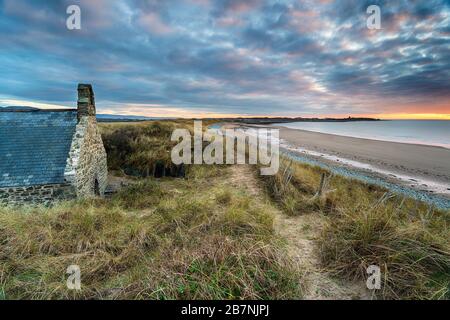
x=301, y=233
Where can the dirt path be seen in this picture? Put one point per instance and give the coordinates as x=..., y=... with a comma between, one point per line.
x=301, y=233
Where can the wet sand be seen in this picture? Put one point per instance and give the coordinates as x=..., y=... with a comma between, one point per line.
x=426, y=166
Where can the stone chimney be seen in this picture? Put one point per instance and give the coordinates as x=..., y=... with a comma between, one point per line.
x=86, y=101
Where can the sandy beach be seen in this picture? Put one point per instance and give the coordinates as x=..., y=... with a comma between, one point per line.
x=428, y=167
x=422, y=168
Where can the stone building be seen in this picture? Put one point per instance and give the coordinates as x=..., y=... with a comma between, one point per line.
x=48, y=155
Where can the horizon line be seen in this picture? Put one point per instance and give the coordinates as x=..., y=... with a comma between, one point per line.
x=188, y=114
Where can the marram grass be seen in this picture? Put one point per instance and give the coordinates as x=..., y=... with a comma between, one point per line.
x=198, y=238
x=166, y=239
x=366, y=225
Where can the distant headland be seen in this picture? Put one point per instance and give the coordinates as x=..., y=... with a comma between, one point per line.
x=270, y=120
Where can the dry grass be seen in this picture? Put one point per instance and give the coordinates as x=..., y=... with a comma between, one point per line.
x=413, y=253
x=205, y=238
x=366, y=225
x=136, y=148
x=192, y=238
x=159, y=240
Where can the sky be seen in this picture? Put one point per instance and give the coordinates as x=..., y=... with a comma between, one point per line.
x=211, y=58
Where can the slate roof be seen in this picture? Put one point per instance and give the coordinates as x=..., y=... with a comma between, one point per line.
x=34, y=146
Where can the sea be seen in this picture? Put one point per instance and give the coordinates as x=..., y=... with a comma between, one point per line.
x=427, y=132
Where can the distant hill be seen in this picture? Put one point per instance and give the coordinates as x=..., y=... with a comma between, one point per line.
x=18, y=109
x=125, y=118
x=100, y=117
x=269, y=120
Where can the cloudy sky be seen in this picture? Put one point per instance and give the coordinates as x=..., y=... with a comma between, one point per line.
x=228, y=57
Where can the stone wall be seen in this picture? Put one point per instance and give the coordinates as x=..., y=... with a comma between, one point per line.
x=86, y=166
x=42, y=194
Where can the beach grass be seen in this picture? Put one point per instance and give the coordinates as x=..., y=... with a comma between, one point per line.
x=169, y=238
x=367, y=225
x=189, y=239
x=200, y=237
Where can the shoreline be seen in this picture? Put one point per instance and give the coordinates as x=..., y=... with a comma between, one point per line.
x=420, y=162
x=372, y=177
x=419, y=171
x=281, y=126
